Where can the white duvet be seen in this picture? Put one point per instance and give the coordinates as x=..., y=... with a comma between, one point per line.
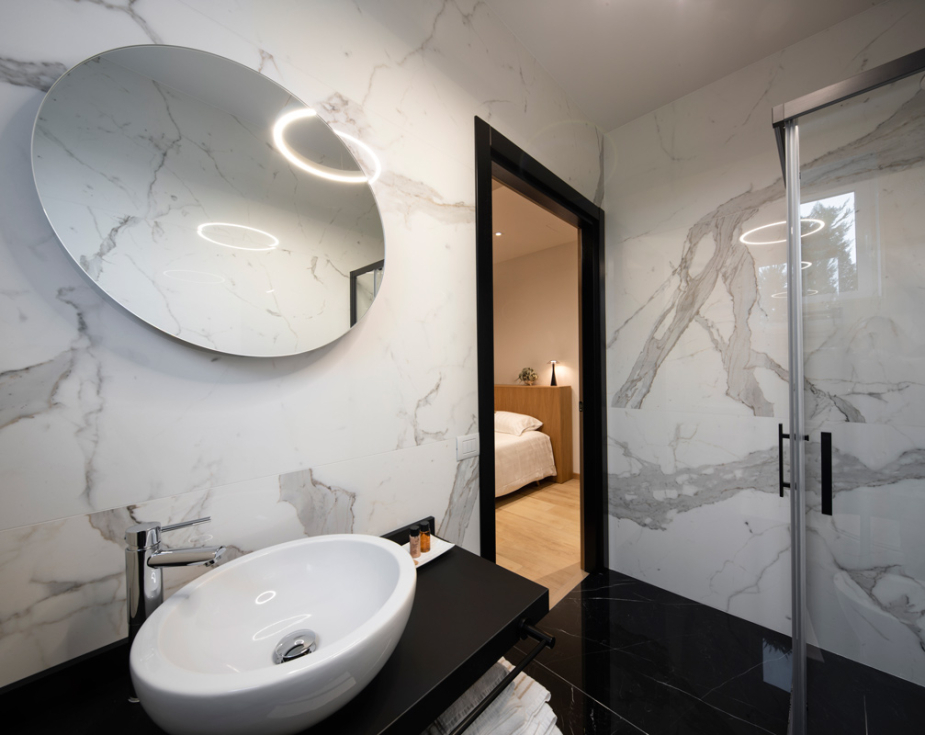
x=521, y=459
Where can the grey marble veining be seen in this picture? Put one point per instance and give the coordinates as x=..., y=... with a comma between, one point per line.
x=652, y=497
x=321, y=508
x=37, y=74
x=128, y=9
x=894, y=146
x=463, y=499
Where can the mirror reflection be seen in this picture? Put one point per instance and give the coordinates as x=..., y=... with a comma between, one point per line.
x=208, y=201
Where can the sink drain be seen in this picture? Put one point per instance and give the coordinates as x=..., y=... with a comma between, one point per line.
x=295, y=645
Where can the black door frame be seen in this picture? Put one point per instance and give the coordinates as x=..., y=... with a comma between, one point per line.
x=497, y=157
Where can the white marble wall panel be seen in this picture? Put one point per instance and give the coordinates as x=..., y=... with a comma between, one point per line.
x=64, y=581
x=694, y=509
x=100, y=415
x=697, y=357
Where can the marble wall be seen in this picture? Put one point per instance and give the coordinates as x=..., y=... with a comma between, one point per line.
x=104, y=422
x=697, y=351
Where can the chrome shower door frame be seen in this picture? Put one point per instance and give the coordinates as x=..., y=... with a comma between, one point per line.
x=785, y=119
x=797, y=448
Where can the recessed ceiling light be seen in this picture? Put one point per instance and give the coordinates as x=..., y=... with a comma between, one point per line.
x=274, y=241
x=818, y=222
x=497, y=234
x=783, y=294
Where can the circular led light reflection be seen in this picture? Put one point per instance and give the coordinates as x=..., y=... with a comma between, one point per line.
x=325, y=172
x=819, y=222
x=783, y=294
x=199, y=231
x=367, y=150
x=265, y=597
x=194, y=276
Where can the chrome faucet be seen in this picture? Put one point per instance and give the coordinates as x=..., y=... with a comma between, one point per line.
x=144, y=559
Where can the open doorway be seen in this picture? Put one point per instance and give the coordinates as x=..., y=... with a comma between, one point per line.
x=575, y=487
x=535, y=259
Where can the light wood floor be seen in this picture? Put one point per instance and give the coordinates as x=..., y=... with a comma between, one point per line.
x=538, y=535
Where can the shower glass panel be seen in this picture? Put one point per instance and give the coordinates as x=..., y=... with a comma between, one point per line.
x=862, y=166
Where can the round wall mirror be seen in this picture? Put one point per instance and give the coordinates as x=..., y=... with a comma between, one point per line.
x=208, y=201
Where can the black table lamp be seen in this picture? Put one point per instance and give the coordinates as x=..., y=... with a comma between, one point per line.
x=553, y=372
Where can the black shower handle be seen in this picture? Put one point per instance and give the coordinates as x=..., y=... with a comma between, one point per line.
x=826, y=473
x=780, y=457
x=826, y=452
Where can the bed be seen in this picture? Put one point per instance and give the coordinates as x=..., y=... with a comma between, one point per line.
x=520, y=460
x=534, y=455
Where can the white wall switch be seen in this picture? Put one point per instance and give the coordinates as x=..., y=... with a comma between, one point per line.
x=467, y=446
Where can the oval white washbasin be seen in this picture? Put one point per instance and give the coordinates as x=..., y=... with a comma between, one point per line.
x=204, y=661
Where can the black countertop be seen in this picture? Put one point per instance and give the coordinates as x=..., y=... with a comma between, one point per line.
x=466, y=615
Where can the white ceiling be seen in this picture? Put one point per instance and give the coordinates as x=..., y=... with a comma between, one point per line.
x=620, y=59
x=525, y=227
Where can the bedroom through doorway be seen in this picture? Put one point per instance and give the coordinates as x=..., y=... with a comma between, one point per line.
x=536, y=259
x=534, y=530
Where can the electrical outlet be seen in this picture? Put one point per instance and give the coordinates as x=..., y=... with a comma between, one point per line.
x=467, y=446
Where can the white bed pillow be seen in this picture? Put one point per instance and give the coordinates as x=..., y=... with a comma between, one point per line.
x=515, y=423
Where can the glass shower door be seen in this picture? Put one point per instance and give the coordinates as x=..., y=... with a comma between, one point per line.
x=862, y=206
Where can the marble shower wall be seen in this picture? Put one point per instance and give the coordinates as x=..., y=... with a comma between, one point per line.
x=697, y=334
x=104, y=422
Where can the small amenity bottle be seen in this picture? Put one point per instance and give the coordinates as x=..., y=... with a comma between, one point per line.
x=425, y=537
x=414, y=543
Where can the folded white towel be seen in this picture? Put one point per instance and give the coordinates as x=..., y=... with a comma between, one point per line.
x=529, y=695
x=519, y=710
x=470, y=699
x=543, y=724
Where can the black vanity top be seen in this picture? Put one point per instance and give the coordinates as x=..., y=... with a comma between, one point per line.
x=466, y=615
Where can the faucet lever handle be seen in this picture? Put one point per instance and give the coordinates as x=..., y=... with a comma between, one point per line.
x=184, y=524
x=148, y=535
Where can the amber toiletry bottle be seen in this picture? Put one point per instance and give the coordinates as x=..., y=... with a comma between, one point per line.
x=414, y=544
x=425, y=537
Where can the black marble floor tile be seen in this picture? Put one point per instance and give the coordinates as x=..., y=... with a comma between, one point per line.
x=577, y=713
x=664, y=663
x=849, y=698
x=631, y=657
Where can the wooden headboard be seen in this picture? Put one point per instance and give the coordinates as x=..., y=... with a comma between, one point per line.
x=551, y=404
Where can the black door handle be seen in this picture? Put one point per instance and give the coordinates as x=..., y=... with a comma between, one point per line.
x=780, y=457
x=826, y=473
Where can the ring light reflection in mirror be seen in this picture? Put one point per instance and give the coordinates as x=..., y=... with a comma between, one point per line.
x=204, y=225
x=158, y=163
x=783, y=294
x=820, y=226
x=316, y=169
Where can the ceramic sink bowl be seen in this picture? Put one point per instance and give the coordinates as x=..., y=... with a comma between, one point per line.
x=276, y=640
